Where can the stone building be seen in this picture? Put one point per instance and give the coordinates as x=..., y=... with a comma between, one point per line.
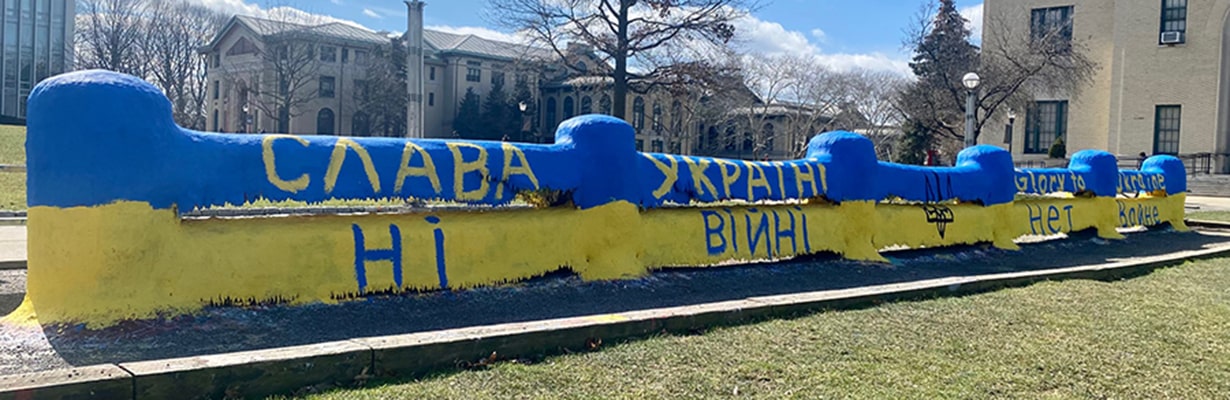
x=446, y=66
x=321, y=66
x=1162, y=87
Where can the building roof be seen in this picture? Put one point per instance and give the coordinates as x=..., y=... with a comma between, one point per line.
x=332, y=30
x=445, y=42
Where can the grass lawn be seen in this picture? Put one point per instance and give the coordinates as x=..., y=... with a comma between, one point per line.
x=1164, y=335
x=1210, y=215
x=12, y=144
x=12, y=152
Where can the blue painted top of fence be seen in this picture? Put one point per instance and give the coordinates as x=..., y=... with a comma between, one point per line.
x=96, y=137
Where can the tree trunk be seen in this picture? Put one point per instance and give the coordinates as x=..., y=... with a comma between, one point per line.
x=619, y=100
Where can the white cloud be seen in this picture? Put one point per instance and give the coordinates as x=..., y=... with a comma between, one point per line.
x=373, y=14
x=289, y=14
x=338, y=2
x=770, y=38
x=974, y=15
x=819, y=35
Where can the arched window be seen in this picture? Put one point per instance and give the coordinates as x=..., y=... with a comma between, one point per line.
x=676, y=118
x=550, y=114
x=324, y=122
x=360, y=125
x=768, y=133
x=570, y=109
x=749, y=142
x=587, y=105
x=657, y=117
x=604, y=105
x=638, y=113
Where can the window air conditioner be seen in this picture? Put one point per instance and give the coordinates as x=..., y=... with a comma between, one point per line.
x=1172, y=37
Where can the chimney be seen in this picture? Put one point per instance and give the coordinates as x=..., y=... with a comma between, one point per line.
x=414, y=68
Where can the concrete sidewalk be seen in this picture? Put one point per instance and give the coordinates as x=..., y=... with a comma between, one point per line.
x=1204, y=203
x=12, y=243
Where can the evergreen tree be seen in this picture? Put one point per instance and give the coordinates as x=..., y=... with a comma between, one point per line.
x=522, y=95
x=468, y=122
x=914, y=143
x=943, y=55
x=496, y=114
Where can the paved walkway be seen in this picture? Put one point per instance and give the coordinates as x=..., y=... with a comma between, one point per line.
x=1208, y=203
x=12, y=243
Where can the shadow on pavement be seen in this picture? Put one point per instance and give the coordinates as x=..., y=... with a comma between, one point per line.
x=229, y=329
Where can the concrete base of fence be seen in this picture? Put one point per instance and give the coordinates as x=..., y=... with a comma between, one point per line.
x=286, y=370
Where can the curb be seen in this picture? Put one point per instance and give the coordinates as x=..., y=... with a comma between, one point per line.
x=12, y=264
x=12, y=221
x=286, y=370
x=1207, y=224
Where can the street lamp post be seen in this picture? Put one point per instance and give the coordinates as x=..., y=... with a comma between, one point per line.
x=971, y=81
x=522, y=131
x=1008, y=129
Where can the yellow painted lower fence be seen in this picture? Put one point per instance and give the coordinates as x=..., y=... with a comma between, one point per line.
x=100, y=265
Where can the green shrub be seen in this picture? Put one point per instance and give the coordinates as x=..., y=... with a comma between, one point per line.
x=1058, y=149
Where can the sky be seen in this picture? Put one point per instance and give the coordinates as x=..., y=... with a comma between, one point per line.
x=843, y=34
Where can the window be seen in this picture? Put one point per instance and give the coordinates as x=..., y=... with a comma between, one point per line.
x=638, y=113
x=473, y=71
x=768, y=133
x=657, y=146
x=1166, y=129
x=676, y=147
x=360, y=57
x=1051, y=23
x=550, y=113
x=1174, y=19
x=241, y=47
x=587, y=105
x=497, y=78
x=326, y=86
x=570, y=109
x=215, y=120
x=640, y=145
x=324, y=122
x=217, y=89
x=328, y=54
x=749, y=142
x=359, y=125
x=360, y=89
x=431, y=99
x=432, y=73
x=657, y=117
x=605, y=104
x=217, y=59
x=345, y=56
x=1044, y=122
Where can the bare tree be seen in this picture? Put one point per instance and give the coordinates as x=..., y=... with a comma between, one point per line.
x=176, y=30
x=109, y=35
x=285, y=77
x=1014, y=66
x=382, y=99
x=873, y=96
x=630, y=34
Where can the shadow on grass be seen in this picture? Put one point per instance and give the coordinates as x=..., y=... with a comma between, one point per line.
x=229, y=329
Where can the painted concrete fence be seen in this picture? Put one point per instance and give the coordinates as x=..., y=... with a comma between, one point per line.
x=110, y=174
